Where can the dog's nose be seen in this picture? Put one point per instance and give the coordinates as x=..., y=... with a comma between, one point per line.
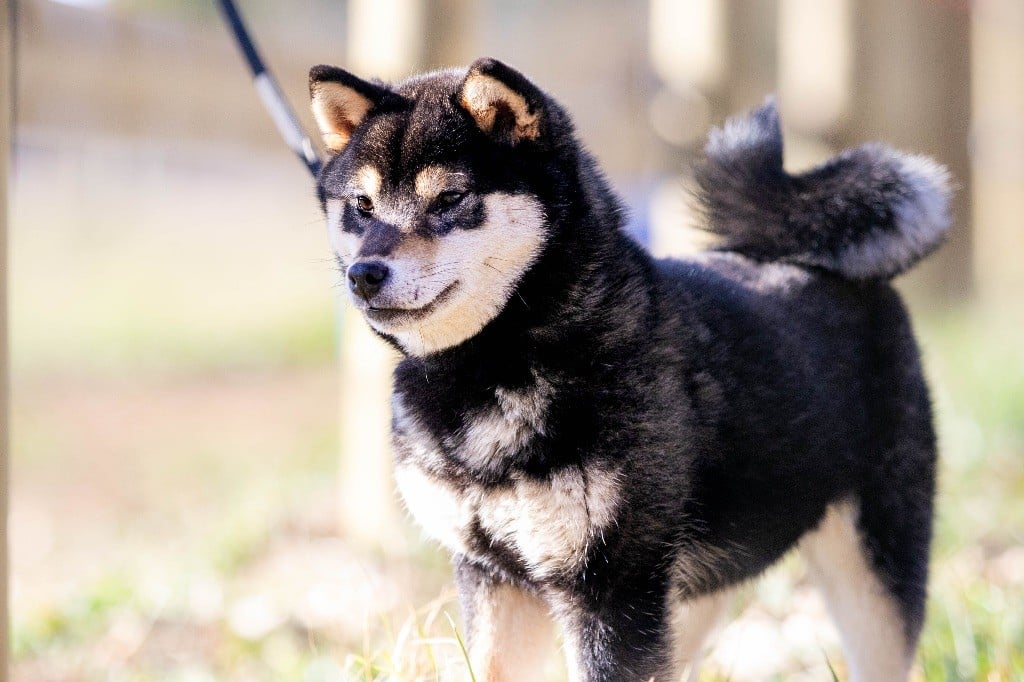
x=365, y=279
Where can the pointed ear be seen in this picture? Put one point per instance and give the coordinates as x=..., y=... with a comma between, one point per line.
x=504, y=104
x=340, y=102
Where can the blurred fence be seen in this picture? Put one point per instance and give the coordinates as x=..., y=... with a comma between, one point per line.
x=644, y=80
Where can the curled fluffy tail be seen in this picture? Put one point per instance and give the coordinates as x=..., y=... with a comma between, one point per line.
x=871, y=212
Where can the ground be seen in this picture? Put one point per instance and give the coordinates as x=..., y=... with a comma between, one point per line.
x=157, y=535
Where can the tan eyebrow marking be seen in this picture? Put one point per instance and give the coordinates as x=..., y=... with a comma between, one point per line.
x=432, y=180
x=368, y=180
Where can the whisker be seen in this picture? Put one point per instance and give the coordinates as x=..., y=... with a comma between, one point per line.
x=500, y=272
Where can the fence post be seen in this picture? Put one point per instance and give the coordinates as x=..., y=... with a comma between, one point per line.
x=751, y=53
x=6, y=130
x=388, y=39
x=912, y=89
x=997, y=138
x=385, y=40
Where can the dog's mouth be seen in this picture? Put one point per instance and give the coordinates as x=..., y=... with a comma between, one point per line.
x=395, y=317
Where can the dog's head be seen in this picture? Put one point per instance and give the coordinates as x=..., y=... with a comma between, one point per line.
x=432, y=195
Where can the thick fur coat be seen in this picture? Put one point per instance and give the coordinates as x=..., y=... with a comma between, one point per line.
x=610, y=442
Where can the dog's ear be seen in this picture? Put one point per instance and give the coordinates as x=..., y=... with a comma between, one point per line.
x=504, y=104
x=340, y=101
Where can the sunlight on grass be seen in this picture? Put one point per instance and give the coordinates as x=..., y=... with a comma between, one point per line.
x=425, y=647
x=975, y=626
x=257, y=585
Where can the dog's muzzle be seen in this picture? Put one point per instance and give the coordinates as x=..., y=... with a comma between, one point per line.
x=365, y=279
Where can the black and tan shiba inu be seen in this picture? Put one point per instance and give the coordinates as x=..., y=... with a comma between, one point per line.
x=610, y=442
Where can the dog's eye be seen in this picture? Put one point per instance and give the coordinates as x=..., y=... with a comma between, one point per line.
x=364, y=204
x=448, y=199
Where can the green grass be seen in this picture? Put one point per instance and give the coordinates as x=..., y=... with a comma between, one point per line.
x=975, y=626
x=975, y=623
x=80, y=617
x=974, y=631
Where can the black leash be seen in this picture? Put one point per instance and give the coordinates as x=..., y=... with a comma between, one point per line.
x=273, y=99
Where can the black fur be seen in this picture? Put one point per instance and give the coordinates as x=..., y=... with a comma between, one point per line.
x=738, y=393
x=871, y=197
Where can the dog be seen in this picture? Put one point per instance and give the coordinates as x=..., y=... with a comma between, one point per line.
x=610, y=442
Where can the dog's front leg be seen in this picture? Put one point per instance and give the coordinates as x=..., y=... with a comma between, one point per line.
x=508, y=627
x=619, y=640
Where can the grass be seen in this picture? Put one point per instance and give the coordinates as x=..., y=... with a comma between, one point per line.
x=974, y=630
x=427, y=646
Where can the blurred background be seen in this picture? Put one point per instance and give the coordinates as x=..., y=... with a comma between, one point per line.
x=194, y=496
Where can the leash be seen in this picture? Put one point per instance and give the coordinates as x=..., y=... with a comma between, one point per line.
x=273, y=99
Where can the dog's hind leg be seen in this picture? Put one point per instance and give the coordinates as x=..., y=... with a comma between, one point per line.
x=870, y=554
x=877, y=635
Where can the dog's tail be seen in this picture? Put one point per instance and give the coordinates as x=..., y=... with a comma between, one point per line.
x=869, y=213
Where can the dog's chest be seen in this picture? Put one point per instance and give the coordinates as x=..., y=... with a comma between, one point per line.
x=548, y=522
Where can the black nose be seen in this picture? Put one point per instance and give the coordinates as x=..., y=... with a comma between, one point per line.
x=365, y=279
